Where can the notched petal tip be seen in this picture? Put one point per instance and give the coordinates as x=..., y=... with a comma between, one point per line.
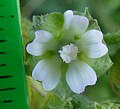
x=43, y=36
x=47, y=74
x=97, y=50
x=68, y=12
x=79, y=24
x=68, y=15
x=34, y=49
x=91, y=42
x=92, y=36
x=79, y=75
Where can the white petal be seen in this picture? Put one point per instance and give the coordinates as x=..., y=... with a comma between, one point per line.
x=40, y=70
x=80, y=75
x=87, y=73
x=91, y=43
x=35, y=48
x=92, y=36
x=68, y=15
x=47, y=71
x=96, y=50
x=79, y=24
x=39, y=44
x=73, y=80
x=43, y=36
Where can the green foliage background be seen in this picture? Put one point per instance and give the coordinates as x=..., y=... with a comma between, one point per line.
x=107, y=12
x=106, y=93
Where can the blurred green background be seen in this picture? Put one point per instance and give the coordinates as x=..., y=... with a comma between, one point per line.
x=107, y=12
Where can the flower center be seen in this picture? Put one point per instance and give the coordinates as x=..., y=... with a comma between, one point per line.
x=68, y=53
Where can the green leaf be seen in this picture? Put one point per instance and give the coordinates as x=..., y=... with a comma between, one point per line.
x=52, y=102
x=108, y=104
x=113, y=41
x=97, y=106
x=112, y=38
x=36, y=97
x=100, y=65
x=81, y=102
x=115, y=73
x=52, y=23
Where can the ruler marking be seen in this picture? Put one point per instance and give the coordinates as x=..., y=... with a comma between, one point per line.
x=12, y=16
x=7, y=89
x=7, y=76
x=2, y=41
x=2, y=16
x=7, y=101
x=2, y=65
x=2, y=52
x=1, y=29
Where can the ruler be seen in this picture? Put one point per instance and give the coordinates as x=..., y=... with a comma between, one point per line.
x=13, y=90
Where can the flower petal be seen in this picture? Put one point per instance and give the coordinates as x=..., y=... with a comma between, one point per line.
x=79, y=24
x=35, y=48
x=68, y=15
x=47, y=71
x=39, y=44
x=91, y=43
x=92, y=36
x=43, y=36
x=74, y=25
x=96, y=50
x=79, y=75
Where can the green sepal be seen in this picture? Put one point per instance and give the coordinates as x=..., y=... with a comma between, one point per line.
x=93, y=24
x=62, y=90
x=52, y=23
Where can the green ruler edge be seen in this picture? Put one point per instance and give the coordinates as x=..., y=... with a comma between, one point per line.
x=13, y=90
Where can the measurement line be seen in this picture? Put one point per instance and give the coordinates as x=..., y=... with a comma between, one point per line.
x=4, y=77
x=7, y=89
x=1, y=29
x=2, y=65
x=7, y=101
x=2, y=41
x=2, y=52
x=1, y=16
x=9, y=16
x=12, y=16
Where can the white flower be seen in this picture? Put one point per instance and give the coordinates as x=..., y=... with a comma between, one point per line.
x=74, y=40
x=69, y=53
